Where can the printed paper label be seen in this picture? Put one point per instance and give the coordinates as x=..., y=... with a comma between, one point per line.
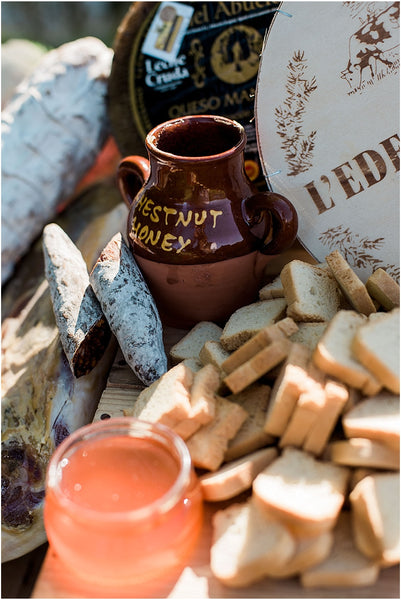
x=167, y=31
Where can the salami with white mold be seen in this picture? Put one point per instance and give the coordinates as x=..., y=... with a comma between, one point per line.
x=83, y=328
x=52, y=131
x=130, y=310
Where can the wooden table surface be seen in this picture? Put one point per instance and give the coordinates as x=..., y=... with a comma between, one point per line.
x=196, y=579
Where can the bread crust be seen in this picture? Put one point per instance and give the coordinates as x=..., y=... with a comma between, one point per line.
x=345, y=565
x=362, y=452
x=235, y=476
x=383, y=288
x=376, y=528
x=286, y=389
x=260, y=364
x=334, y=353
x=376, y=344
x=352, y=287
x=311, y=292
x=283, y=328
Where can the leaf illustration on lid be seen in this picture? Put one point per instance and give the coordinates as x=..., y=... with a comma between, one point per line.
x=297, y=145
x=357, y=250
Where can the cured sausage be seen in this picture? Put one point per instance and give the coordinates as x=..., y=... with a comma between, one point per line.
x=130, y=310
x=84, y=331
x=52, y=131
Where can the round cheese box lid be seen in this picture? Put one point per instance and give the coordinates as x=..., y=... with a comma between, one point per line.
x=327, y=125
x=180, y=58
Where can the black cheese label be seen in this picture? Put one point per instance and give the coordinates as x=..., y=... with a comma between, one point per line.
x=199, y=58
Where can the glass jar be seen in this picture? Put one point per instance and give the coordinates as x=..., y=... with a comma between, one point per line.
x=123, y=505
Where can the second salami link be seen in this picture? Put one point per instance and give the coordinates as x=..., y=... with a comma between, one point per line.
x=130, y=310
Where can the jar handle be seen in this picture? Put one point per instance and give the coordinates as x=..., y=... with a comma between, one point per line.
x=282, y=225
x=132, y=172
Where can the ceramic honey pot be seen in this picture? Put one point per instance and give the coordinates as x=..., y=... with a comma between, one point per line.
x=200, y=231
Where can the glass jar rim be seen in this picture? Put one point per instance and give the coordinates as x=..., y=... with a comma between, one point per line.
x=112, y=427
x=158, y=130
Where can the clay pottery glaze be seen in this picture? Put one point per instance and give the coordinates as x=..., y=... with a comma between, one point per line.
x=200, y=232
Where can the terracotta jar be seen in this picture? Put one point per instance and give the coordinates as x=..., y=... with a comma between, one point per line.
x=199, y=230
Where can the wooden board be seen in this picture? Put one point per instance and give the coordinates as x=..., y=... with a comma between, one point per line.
x=196, y=579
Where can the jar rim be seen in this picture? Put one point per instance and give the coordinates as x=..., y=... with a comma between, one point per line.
x=155, y=133
x=107, y=429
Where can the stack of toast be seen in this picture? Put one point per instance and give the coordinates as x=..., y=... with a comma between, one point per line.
x=291, y=411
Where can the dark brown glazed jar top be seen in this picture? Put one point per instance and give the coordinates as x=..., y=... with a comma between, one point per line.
x=193, y=203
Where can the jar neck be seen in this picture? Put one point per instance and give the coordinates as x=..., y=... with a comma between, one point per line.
x=194, y=140
x=213, y=173
x=118, y=427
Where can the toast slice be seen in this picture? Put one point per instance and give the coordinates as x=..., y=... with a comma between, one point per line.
x=212, y=352
x=276, y=331
x=309, y=551
x=376, y=418
x=303, y=492
x=345, y=566
x=235, y=476
x=375, y=502
x=311, y=292
x=384, y=289
x=286, y=389
x=246, y=321
x=334, y=353
x=167, y=400
x=190, y=345
x=247, y=545
x=351, y=286
x=203, y=390
x=252, y=435
x=208, y=444
x=260, y=364
x=318, y=436
x=362, y=452
x=305, y=415
x=273, y=289
x=377, y=346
